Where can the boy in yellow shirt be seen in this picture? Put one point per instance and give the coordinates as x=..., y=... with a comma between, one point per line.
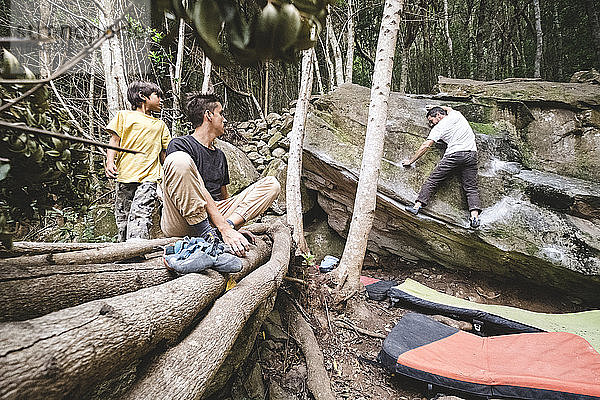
x=137, y=174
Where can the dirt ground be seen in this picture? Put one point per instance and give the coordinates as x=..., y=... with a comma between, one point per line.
x=349, y=354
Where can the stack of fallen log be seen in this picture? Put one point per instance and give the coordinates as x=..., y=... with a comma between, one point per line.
x=75, y=320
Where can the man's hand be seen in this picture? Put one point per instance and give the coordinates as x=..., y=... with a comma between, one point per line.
x=237, y=241
x=111, y=169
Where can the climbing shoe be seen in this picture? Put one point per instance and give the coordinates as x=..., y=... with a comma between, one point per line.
x=413, y=210
x=196, y=254
x=475, y=222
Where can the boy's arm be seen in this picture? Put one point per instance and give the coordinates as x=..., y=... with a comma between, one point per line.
x=161, y=156
x=224, y=192
x=111, y=168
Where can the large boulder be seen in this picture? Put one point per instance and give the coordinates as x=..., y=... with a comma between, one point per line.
x=241, y=171
x=538, y=224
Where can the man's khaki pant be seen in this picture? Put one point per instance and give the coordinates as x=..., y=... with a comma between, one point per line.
x=184, y=203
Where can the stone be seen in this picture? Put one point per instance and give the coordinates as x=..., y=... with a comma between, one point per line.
x=241, y=171
x=274, y=140
x=253, y=156
x=539, y=225
x=272, y=117
x=264, y=150
x=276, y=392
x=254, y=385
x=322, y=240
x=278, y=152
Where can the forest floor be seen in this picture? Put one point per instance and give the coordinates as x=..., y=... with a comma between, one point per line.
x=347, y=351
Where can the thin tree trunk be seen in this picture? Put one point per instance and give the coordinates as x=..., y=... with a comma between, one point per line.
x=177, y=101
x=206, y=85
x=317, y=72
x=293, y=196
x=266, y=102
x=112, y=60
x=559, y=44
x=348, y=272
x=337, y=53
x=448, y=39
x=45, y=15
x=350, y=49
x=592, y=12
x=330, y=67
x=539, y=39
x=193, y=363
x=404, y=68
x=91, y=130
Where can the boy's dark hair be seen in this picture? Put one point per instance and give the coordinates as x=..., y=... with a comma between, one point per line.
x=137, y=89
x=434, y=111
x=197, y=104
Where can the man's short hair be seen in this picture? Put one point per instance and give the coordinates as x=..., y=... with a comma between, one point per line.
x=137, y=89
x=198, y=103
x=434, y=111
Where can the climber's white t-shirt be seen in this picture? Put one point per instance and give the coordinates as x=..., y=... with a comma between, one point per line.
x=455, y=131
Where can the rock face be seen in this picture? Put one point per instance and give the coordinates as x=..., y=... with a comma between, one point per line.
x=539, y=168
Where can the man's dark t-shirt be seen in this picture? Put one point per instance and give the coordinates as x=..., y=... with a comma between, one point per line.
x=211, y=163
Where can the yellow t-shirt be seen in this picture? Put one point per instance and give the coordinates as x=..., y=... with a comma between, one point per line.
x=140, y=132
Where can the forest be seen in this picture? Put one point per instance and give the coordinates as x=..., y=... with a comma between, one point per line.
x=293, y=76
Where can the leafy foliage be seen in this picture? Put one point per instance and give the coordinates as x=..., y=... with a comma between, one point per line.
x=44, y=171
x=278, y=31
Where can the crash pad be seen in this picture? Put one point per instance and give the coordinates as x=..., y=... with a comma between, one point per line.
x=536, y=366
x=498, y=319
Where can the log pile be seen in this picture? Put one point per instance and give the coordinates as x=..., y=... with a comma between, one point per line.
x=88, y=319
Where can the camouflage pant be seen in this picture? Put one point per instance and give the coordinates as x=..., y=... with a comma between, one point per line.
x=134, y=205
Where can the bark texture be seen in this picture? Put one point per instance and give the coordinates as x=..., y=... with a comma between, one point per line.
x=537, y=73
x=293, y=196
x=65, y=353
x=186, y=370
x=348, y=272
x=99, y=255
x=26, y=294
x=318, y=380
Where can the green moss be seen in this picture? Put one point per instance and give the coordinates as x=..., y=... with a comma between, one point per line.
x=486, y=129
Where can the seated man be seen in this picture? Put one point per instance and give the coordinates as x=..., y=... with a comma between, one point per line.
x=196, y=178
x=450, y=126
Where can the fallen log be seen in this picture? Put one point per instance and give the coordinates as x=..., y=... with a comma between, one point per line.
x=100, y=255
x=65, y=353
x=31, y=248
x=302, y=333
x=241, y=348
x=187, y=370
x=28, y=295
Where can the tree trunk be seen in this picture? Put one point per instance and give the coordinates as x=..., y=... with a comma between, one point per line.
x=404, y=68
x=65, y=353
x=177, y=100
x=560, y=46
x=30, y=248
x=112, y=60
x=350, y=49
x=448, y=40
x=539, y=39
x=45, y=16
x=317, y=72
x=592, y=12
x=337, y=53
x=206, y=86
x=242, y=347
x=186, y=370
x=329, y=63
x=106, y=254
x=348, y=272
x=266, y=93
x=317, y=379
x=292, y=195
